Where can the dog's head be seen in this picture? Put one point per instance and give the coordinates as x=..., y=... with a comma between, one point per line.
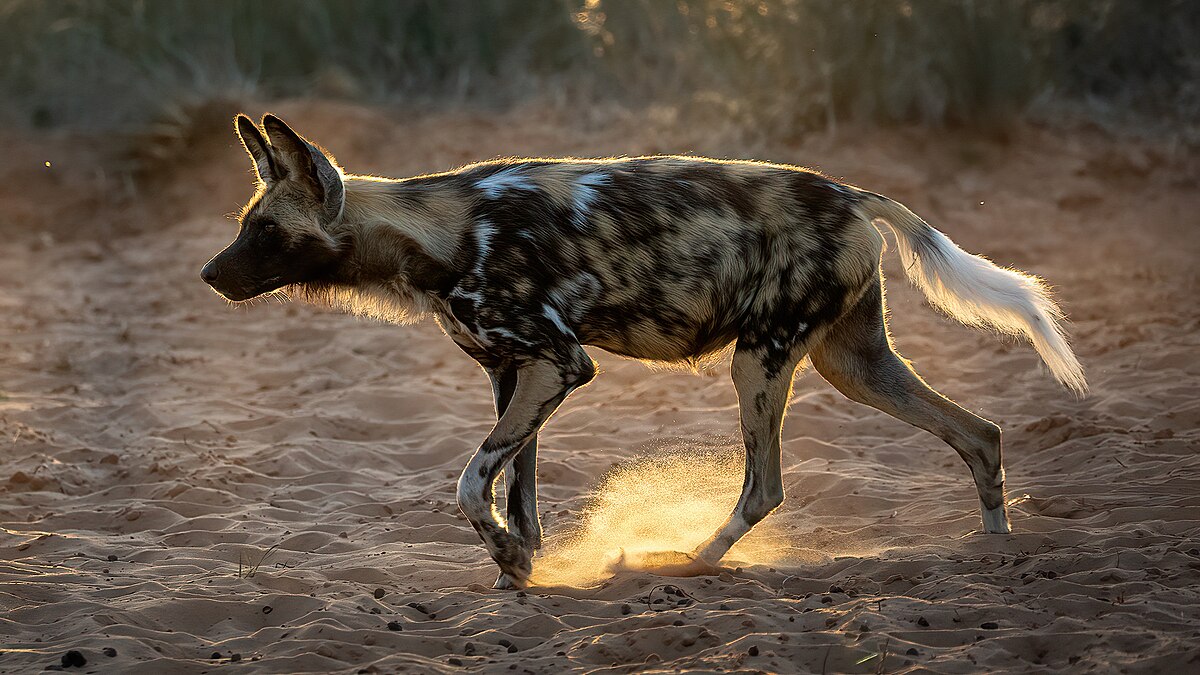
x=284, y=237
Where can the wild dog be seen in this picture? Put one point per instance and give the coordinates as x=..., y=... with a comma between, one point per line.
x=523, y=262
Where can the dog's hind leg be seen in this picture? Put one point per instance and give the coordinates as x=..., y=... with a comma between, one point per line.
x=762, y=375
x=856, y=356
x=520, y=474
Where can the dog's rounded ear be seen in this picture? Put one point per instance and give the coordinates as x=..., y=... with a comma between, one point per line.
x=256, y=145
x=304, y=161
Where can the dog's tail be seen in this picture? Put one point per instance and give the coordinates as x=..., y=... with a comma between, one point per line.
x=977, y=292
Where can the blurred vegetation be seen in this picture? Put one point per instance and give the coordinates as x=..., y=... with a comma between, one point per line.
x=789, y=66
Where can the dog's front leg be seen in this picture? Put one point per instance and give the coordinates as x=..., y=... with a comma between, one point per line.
x=541, y=386
x=520, y=474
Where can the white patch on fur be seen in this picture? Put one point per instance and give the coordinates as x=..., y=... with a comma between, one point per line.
x=484, y=231
x=995, y=521
x=586, y=195
x=556, y=318
x=506, y=333
x=475, y=296
x=473, y=493
x=511, y=178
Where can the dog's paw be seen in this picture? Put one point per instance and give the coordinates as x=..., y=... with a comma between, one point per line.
x=514, y=558
x=503, y=583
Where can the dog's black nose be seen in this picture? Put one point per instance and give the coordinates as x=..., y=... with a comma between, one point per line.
x=209, y=273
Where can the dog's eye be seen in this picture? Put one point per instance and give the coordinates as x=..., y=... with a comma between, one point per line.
x=269, y=227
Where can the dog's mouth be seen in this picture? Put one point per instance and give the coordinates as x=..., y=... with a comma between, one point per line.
x=244, y=294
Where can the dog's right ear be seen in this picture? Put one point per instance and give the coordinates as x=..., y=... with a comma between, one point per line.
x=260, y=151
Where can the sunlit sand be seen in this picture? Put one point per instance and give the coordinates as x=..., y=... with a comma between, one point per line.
x=647, y=515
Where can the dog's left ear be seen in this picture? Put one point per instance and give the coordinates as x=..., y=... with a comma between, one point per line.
x=311, y=166
x=260, y=151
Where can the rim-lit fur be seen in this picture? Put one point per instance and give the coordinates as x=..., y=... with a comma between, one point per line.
x=665, y=259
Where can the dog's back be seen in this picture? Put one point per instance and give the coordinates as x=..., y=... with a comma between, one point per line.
x=659, y=258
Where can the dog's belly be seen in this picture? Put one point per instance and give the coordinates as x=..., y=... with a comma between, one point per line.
x=663, y=335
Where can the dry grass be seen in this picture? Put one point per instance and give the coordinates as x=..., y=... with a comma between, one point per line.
x=775, y=68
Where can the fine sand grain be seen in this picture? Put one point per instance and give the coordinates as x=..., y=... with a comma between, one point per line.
x=189, y=483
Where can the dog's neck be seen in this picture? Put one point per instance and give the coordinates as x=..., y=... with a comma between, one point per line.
x=398, y=241
x=407, y=229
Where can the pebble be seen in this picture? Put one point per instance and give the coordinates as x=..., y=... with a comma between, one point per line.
x=923, y=622
x=236, y=657
x=267, y=609
x=395, y=625
x=73, y=659
x=753, y=651
x=626, y=609
x=989, y=625
x=110, y=652
x=912, y=651
x=215, y=655
x=112, y=558
x=455, y=661
x=379, y=593
x=512, y=649
x=469, y=649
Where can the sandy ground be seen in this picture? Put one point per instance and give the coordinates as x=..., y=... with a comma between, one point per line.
x=193, y=484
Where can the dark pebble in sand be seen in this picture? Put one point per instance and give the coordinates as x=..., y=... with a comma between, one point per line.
x=267, y=609
x=395, y=625
x=455, y=661
x=625, y=609
x=512, y=649
x=215, y=655
x=912, y=651
x=989, y=625
x=827, y=600
x=469, y=649
x=112, y=558
x=923, y=622
x=836, y=589
x=235, y=658
x=419, y=607
x=110, y=652
x=505, y=642
x=73, y=659
x=753, y=651
x=677, y=623
x=379, y=593
x=724, y=607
